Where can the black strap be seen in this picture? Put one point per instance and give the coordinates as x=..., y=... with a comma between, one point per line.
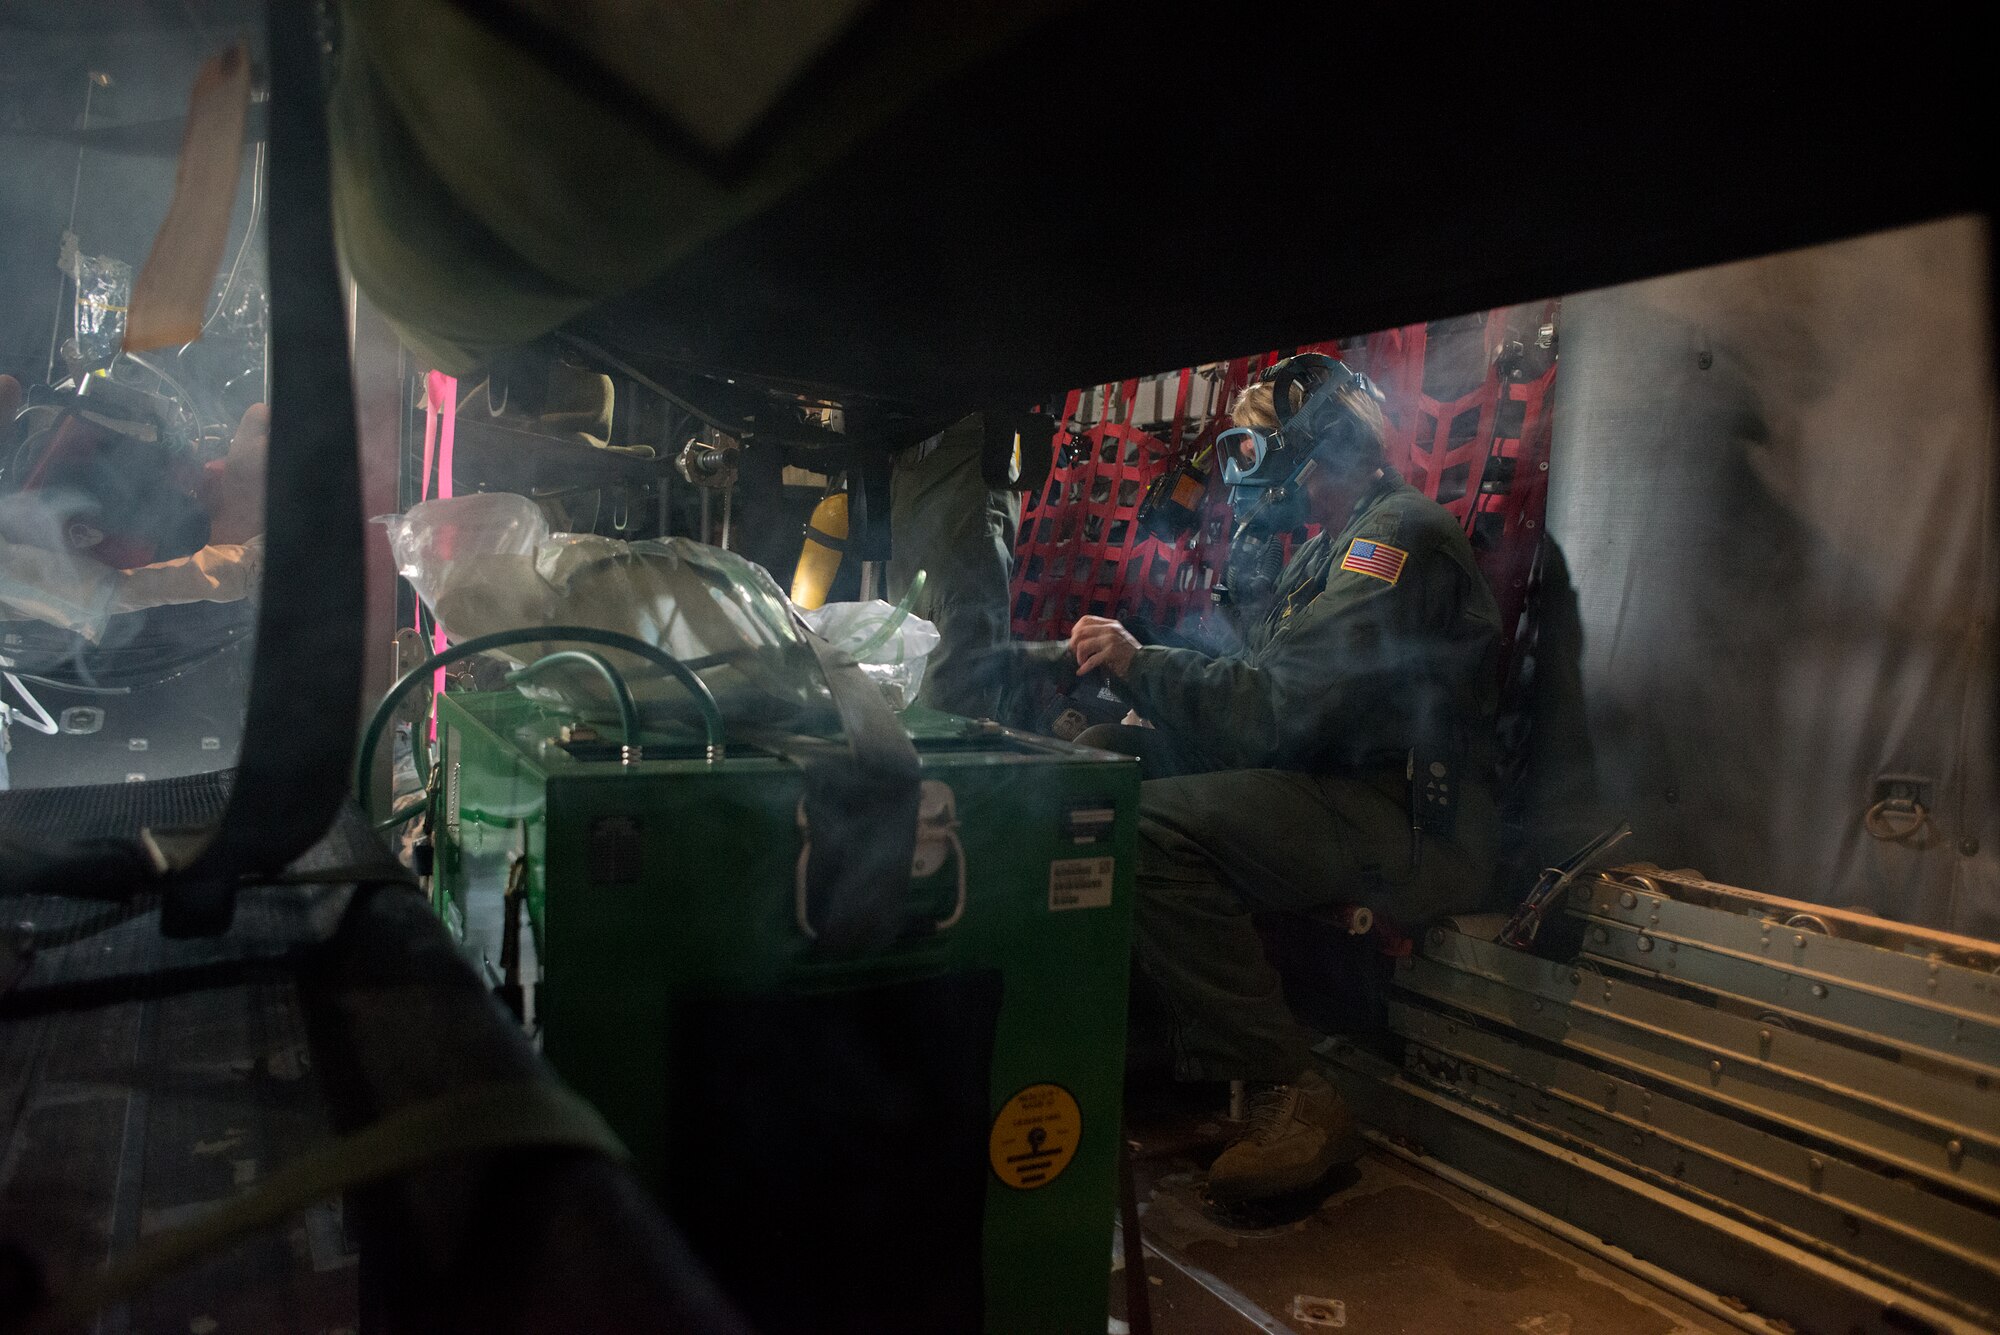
x=861, y=808
x=108, y=868
x=868, y=505
x=302, y=715
x=825, y=539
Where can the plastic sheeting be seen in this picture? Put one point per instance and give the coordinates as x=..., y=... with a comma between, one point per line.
x=74, y=592
x=891, y=647
x=1773, y=484
x=486, y=563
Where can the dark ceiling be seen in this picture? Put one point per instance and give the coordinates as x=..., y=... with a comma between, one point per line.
x=1129, y=189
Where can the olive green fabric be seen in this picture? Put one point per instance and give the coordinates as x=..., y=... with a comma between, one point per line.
x=1276, y=778
x=944, y=519
x=1346, y=667
x=454, y=292
x=481, y=198
x=1215, y=848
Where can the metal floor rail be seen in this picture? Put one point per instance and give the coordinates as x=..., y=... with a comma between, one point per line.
x=1793, y=1106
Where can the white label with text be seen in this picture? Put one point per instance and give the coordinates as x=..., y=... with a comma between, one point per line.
x=1080, y=883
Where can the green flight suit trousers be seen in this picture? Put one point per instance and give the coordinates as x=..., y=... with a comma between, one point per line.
x=1216, y=847
x=945, y=520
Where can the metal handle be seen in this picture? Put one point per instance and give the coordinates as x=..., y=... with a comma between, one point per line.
x=801, y=913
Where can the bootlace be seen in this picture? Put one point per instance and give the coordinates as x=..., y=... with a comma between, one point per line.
x=1269, y=1111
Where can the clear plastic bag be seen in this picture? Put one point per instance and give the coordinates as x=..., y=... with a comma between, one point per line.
x=487, y=563
x=890, y=645
x=431, y=540
x=103, y=290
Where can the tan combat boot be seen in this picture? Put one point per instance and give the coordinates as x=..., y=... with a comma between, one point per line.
x=1293, y=1136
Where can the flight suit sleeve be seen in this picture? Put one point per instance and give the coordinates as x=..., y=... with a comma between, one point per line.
x=1293, y=701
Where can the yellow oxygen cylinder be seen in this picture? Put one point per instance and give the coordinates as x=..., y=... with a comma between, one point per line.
x=819, y=559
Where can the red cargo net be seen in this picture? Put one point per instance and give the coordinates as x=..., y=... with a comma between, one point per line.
x=1080, y=549
x=1468, y=406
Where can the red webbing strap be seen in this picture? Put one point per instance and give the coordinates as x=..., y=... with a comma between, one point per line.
x=1483, y=453
x=1080, y=549
x=1079, y=541
x=1494, y=478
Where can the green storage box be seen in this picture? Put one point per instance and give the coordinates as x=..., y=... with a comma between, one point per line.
x=924, y=1139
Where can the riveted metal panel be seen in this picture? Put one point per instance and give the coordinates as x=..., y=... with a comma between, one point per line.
x=1771, y=1277
x=1703, y=1051
x=1817, y=1199
x=1915, y=999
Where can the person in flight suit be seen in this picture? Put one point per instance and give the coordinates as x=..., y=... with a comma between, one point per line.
x=1338, y=758
x=948, y=520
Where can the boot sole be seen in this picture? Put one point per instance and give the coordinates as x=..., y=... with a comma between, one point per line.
x=1337, y=1175
x=1268, y=1212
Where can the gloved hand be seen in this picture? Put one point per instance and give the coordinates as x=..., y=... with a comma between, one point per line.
x=1050, y=659
x=1022, y=676
x=1100, y=642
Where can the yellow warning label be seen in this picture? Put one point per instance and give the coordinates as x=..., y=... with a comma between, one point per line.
x=1035, y=1136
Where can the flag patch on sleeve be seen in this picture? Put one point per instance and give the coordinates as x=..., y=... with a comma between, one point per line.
x=1375, y=558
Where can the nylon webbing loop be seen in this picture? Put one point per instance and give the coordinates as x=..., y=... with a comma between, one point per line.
x=292, y=769
x=861, y=804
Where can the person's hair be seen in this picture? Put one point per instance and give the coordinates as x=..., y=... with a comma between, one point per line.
x=1253, y=407
x=1256, y=407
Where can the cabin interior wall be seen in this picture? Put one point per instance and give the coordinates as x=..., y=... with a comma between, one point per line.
x=1773, y=487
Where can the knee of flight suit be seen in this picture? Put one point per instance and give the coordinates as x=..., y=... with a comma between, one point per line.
x=1168, y=856
x=1182, y=906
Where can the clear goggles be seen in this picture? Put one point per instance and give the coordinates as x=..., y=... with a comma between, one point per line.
x=1243, y=450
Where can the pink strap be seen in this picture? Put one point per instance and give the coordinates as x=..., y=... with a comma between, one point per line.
x=439, y=422
x=442, y=388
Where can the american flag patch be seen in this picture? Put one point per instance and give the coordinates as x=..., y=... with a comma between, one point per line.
x=1375, y=558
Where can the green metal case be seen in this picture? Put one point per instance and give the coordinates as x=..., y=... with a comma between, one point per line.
x=677, y=984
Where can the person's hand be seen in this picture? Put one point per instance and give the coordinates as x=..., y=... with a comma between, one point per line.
x=1132, y=720
x=236, y=510
x=1100, y=642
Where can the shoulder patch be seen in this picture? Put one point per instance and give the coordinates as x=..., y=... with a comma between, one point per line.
x=1367, y=557
x=1385, y=521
